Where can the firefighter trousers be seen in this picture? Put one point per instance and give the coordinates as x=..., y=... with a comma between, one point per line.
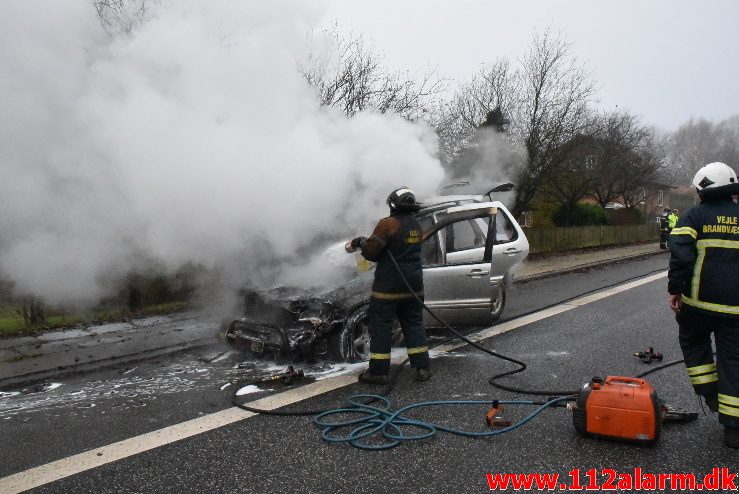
x=382, y=315
x=708, y=377
x=664, y=238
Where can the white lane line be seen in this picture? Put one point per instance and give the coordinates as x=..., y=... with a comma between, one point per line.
x=72, y=465
x=552, y=311
x=221, y=357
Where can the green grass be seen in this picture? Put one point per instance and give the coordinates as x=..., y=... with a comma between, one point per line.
x=12, y=324
x=160, y=309
x=10, y=321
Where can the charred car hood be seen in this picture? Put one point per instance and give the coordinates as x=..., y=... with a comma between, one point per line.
x=292, y=321
x=286, y=304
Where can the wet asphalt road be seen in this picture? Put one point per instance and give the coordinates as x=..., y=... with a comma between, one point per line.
x=267, y=454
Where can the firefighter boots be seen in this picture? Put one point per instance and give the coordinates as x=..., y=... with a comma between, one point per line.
x=731, y=437
x=423, y=374
x=367, y=377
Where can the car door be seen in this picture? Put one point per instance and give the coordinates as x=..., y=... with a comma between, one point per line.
x=458, y=285
x=511, y=246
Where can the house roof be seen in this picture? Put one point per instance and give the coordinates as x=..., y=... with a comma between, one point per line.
x=660, y=185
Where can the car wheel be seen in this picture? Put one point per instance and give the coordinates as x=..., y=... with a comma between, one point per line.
x=353, y=340
x=496, y=308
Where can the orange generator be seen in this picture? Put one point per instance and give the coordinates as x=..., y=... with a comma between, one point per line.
x=618, y=408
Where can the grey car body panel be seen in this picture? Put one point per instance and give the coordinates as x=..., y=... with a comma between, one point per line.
x=460, y=287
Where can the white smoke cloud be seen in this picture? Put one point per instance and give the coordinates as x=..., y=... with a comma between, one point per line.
x=191, y=139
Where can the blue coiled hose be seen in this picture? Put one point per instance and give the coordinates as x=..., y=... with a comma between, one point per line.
x=389, y=425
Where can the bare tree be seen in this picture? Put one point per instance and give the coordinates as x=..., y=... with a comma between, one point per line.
x=574, y=173
x=619, y=136
x=32, y=311
x=488, y=154
x=698, y=142
x=639, y=168
x=349, y=74
x=457, y=120
x=121, y=16
x=553, y=107
x=546, y=96
x=615, y=159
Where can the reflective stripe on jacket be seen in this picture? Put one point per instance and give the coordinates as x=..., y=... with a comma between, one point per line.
x=399, y=233
x=704, y=262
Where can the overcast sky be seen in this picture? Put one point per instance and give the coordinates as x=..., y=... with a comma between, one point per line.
x=666, y=60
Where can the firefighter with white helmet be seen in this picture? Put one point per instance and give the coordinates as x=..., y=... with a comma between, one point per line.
x=704, y=293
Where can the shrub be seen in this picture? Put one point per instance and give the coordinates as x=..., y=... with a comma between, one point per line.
x=579, y=215
x=625, y=216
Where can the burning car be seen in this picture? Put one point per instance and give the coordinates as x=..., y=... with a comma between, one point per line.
x=471, y=247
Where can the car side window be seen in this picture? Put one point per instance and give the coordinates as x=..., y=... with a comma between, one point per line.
x=464, y=241
x=454, y=236
x=504, y=230
x=463, y=235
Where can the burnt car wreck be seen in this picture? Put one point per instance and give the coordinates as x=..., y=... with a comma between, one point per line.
x=471, y=246
x=291, y=324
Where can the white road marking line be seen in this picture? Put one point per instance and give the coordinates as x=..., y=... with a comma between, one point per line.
x=552, y=311
x=71, y=465
x=221, y=357
x=88, y=460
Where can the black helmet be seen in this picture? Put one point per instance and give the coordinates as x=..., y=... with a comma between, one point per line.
x=403, y=199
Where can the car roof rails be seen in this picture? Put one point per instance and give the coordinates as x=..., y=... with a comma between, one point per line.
x=476, y=189
x=437, y=207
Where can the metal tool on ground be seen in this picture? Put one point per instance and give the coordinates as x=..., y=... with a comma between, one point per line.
x=288, y=376
x=673, y=414
x=649, y=355
x=494, y=417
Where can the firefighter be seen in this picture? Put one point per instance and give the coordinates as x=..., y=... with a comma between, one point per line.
x=664, y=229
x=672, y=219
x=399, y=234
x=704, y=293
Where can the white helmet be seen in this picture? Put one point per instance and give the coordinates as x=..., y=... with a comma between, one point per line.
x=714, y=175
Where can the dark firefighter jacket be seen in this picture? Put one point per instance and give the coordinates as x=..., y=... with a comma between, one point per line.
x=664, y=223
x=400, y=234
x=704, y=266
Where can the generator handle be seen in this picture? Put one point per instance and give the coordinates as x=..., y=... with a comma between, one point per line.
x=624, y=379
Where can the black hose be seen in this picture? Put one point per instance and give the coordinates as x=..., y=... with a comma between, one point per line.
x=513, y=389
x=394, y=376
x=580, y=295
x=522, y=365
x=660, y=367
